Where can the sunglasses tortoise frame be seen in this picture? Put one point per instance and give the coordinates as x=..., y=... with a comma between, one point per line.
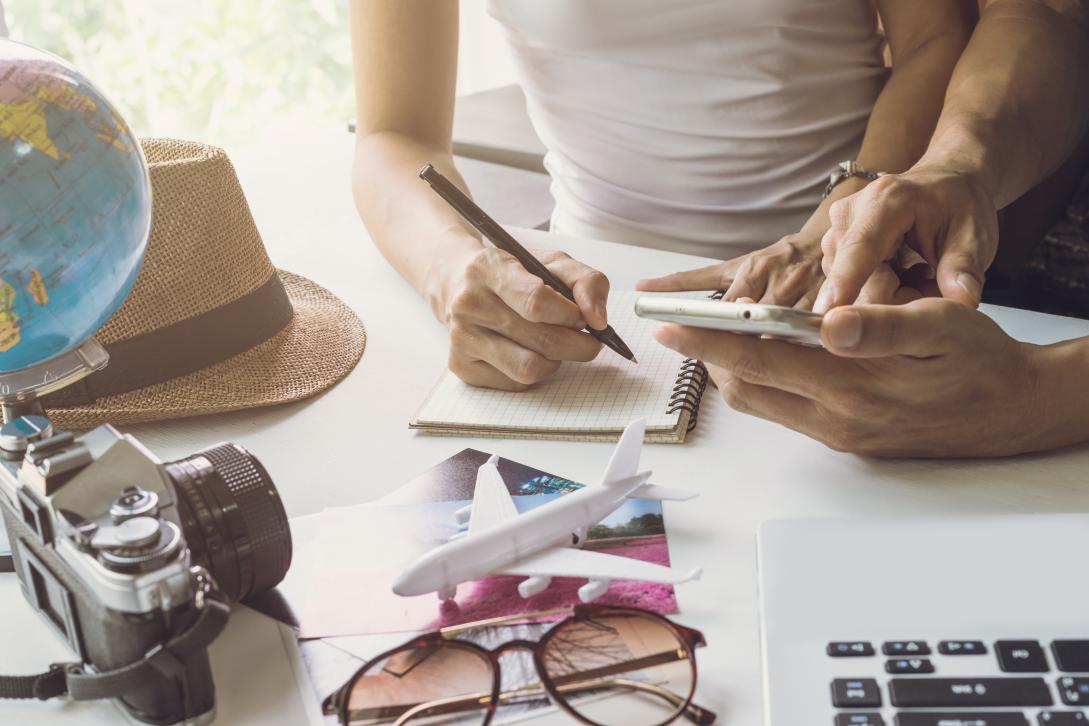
x=557, y=689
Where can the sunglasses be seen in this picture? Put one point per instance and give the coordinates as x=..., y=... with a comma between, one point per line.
x=603, y=665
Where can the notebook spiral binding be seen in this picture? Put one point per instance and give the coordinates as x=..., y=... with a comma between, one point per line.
x=691, y=384
x=688, y=392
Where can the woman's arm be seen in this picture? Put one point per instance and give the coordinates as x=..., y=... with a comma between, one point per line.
x=1016, y=107
x=405, y=57
x=507, y=329
x=925, y=44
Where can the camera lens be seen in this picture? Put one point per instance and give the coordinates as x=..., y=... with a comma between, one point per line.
x=233, y=519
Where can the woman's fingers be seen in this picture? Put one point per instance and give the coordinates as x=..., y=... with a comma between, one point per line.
x=554, y=342
x=881, y=288
x=509, y=330
x=590, y=286
x=805, y=302
x=524, y=293
x=481, y=373
x=750, y=281
x=713, y=277
x=519, y=364
x=798, y=283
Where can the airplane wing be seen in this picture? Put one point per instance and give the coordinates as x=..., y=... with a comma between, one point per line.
x=653, y=491
x=491, y=500
x=567, y=562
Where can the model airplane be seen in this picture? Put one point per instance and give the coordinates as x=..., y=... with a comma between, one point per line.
x=543, y=543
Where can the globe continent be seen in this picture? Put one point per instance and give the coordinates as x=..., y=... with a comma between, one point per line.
x=75, y=207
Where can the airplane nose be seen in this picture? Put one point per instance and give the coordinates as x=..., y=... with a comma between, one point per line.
x=406, y=583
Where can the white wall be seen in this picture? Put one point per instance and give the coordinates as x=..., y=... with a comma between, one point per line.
x=483, y=60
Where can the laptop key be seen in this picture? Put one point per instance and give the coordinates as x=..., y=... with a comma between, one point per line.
x=1021, y=656
x=1061, y=718
x=849, y=649
x=856, y=693
x=962, y=647
x=961, y=719
x=1074, y=691
x=1071, y=656
x=859, y=719
x=905, y=647
x=968, y=692
x=908, y=666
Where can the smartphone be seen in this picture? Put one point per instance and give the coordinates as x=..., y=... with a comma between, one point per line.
x=799, y=326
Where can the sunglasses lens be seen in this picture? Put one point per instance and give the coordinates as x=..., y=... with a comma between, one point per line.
x=447, y=683
x=620, y=668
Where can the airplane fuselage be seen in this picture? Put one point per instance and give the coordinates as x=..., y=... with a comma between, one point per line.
x=483, y=553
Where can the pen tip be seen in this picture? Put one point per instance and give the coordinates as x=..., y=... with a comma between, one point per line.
x=634, y=360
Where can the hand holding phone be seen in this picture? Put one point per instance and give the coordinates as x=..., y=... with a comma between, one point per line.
x=799, y=326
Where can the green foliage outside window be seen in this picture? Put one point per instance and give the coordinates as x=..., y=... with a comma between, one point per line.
x=221, y=71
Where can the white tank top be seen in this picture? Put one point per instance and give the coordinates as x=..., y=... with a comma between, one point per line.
x=702, y=126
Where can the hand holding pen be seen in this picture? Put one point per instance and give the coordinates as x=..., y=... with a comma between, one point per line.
x=508, y=330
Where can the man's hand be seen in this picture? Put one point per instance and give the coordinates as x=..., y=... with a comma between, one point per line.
x=947, y=218
x=509, y=330
x=785, y=273
x=930, y=378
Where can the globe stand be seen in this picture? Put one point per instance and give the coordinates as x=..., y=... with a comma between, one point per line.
x=21, y=390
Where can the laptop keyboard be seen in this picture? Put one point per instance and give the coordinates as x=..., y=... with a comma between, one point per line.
x=1046, y=685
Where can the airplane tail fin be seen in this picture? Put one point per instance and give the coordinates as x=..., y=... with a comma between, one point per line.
x=625, y=459
x=653, y=491
x=492, y=503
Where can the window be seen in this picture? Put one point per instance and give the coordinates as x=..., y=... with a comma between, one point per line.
x=228, y=72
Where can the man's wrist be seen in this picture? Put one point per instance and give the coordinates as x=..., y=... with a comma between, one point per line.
x=1059, y=405
x=968, y=157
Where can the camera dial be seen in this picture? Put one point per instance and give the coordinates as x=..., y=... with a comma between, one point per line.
x=139, y=544
x=134, y=502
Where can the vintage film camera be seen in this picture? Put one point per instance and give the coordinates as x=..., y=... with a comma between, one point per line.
x=133, y=560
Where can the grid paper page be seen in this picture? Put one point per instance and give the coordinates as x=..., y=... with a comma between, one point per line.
x=605, y=394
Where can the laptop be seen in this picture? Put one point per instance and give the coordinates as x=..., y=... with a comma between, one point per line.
x=937, y=621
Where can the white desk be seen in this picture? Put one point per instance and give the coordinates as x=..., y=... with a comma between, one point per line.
x=352, y=444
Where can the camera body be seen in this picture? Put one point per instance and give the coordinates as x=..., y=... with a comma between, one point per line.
x=118, y=550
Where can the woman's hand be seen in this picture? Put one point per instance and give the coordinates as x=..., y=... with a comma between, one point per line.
x=789, y=273
x=949, y=219
x=785, y=273
x=508, y=329
x=931, y=378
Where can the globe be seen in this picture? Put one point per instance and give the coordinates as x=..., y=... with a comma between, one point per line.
x=75, y=207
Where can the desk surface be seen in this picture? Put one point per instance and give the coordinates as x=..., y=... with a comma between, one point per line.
x=352, y=444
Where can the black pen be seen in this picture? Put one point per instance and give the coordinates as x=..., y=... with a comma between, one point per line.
x=499, y=237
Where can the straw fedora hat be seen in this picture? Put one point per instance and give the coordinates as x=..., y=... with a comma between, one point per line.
x=210, y=325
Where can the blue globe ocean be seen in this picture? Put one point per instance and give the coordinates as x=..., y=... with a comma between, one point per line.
x=75, y=207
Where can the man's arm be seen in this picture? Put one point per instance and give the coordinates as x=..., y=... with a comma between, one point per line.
x=932, y=378
x=1015, y=109
x=1017, y=103
x=925, y=46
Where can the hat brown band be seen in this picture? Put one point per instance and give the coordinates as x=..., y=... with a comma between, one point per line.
x=185, y=346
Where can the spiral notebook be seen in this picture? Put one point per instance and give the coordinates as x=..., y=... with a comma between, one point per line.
x=582, y=401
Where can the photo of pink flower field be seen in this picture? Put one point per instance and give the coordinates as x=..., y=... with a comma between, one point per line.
x=498, y=596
